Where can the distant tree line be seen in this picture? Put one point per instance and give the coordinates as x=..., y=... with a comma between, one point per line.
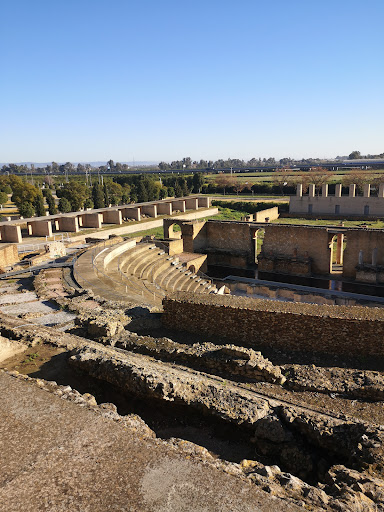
x=76, y=194
x=69, y=168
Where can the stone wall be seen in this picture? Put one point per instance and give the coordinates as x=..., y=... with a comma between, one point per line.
x=226, y=243
x=300, y=250
x=368, y=247
x=8, y=255
x=269, y=213
x=286, y=326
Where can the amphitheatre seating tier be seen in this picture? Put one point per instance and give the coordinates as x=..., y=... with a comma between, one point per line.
x=140, y=272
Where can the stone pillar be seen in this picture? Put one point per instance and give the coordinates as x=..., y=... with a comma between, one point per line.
x=131, y=213
x=57, y=227
x=324, y=190
x=381, y=190
x=149, y=209
x=311, y=190
x=112, y=217
x=352, y=190
x=338, y=190
x=11, y=233
x=40, y=228
x=367, y=190
x=374, y=257
x=192, y=203
x=178, y=205
x=68, y=224
x=299, y=190
x=164, y=208
x=361, y=257
x=91, y=220
x=204, y=202
x=339, y=249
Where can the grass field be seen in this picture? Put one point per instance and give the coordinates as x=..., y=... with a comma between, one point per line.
x=269, y=177
x=333, y=222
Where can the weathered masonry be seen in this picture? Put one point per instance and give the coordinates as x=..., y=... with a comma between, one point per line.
x=226, y=243
x=338, y=204
x=287, y=326
x=314, y=250
x=10, y=231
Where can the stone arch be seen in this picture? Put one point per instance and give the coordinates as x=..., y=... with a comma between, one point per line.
x=336, y=242
x=255, y=235
x=192, y=268
x=174, y=233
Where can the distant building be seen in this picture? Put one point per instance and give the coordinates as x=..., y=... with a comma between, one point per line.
x=337, y=204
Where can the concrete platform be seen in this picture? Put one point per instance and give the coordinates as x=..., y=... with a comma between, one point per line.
x=58, y=456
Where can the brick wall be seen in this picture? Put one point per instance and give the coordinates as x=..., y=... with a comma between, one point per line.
x=288, y=326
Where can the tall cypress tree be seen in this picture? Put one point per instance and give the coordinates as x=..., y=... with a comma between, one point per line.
x=39, y=205
x=98, y=196
x=106, y=195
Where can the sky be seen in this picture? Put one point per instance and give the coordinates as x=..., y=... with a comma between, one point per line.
x=93, y=80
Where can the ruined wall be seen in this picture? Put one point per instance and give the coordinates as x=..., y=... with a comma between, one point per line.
x=289, y=249
x=371, y=243
x=300, y=327
x=225, y=242
x=8, y=255
x=229, y=243
x=269, y=213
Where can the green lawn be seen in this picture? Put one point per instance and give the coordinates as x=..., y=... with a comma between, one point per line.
x=334, y=222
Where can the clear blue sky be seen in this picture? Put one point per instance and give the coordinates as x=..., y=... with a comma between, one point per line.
x=88, y=80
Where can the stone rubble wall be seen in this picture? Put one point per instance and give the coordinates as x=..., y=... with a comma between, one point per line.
x=289, y=326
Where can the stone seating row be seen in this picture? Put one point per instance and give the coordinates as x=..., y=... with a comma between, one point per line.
x=152, y=265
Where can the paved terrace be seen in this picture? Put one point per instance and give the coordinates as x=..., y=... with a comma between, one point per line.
x=10, y=231
x=57, y=455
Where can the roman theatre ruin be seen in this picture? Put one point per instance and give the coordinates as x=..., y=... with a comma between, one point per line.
x=227, y=365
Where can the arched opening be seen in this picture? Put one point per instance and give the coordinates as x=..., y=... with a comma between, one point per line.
x=192, y=269
x=258, y=238
x=174, y=231
x=337, y=246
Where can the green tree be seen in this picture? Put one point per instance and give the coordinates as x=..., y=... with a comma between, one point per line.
x=115, y=191
x=98, y=196
x=198, y=182
x=88, y=203
x=178, y=190
x=75, y=192
x=355, y=155
x=3, y=198
x=39, y=205
x=171, y=192
x=26, y=210
x=22, y=191
x=64, y=205
x=163, y=192
x=50, y=201
x=106, y=195
x=126, y=195
x=142, y=193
